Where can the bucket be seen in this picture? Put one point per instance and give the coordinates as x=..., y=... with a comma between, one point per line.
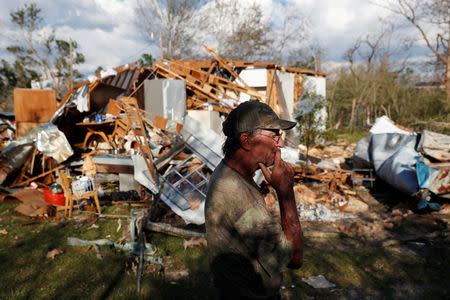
x=54, y=199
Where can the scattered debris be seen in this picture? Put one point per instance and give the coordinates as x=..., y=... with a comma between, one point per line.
x=194, y=241
x=97, y=250
x=32, y=203
x=165, y=228
x=55, y=252
x=320, y=212
x=319, y=282
x=133, y=247
x=119, y=225
x=3, y=231
x=416, y=164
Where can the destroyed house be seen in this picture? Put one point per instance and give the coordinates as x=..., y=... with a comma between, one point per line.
x=157, y=128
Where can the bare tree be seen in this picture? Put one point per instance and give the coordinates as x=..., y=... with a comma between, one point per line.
x=174, y=19
x=421, y=14
x=249, y=37
x=372, y=69
x=376, y=49
x=290, y=34
x=239, y=30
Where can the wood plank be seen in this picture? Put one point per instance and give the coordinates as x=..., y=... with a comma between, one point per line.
x=236, y=75
x=168, y=229
x=118, y=169
x=132, y=110
x=36, y=106
x=205, y=79
x=39, y=176
x=194, y=87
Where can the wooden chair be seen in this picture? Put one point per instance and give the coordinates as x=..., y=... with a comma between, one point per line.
x=70, y=197
x=121, y=129
x=92, y=132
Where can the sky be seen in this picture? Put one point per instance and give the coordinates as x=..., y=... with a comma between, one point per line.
x=106, y=35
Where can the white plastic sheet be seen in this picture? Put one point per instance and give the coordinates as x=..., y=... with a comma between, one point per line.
x=52, y=142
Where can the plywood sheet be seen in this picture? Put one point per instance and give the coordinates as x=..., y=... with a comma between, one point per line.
x=34, y=105
x=24, y=127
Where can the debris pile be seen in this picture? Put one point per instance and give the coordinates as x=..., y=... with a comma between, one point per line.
x=135, y=123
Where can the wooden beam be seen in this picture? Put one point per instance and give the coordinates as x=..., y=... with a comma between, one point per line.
x=194, y=86
x=39, y=176
x=119, y=169
x=236, y=75
x=168, y=229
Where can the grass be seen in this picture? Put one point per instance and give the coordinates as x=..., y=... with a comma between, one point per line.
x=359, y=270
x=372, y=271
x=28, y=274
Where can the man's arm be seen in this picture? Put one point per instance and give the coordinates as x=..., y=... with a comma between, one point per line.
x=291, y=226
x=282, y=180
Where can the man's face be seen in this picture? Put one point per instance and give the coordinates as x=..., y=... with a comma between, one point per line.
x=265, y=144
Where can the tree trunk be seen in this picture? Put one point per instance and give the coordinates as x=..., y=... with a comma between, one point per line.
x=352, y=116
x=447, y=79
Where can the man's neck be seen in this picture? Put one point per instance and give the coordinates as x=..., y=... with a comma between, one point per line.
x=242, y=163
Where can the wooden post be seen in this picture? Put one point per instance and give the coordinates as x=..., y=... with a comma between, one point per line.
x=161, y=45
x=70, y=66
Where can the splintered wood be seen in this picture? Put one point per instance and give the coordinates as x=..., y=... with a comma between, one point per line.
x=216, y=84
x=334, y=176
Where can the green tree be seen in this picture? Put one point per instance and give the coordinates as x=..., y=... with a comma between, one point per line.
x=146, y=60
x=53, y=59
x=308, y=117
x=98, y=70
x=12, y=76
x=8, y=81
x=308, y=63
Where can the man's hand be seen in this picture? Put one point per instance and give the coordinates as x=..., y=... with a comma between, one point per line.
x=281, y=178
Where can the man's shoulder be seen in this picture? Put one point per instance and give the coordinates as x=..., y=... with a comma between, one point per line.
x=224, y=178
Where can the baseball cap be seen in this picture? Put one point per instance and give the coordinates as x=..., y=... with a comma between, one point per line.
x=252, y=115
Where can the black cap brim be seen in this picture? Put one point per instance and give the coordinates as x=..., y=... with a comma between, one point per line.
x=281, y=124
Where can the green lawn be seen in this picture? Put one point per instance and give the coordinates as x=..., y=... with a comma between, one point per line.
x=360, y=270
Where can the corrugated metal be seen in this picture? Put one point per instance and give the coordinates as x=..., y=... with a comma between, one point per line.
x=435, y=145
x=440, y=185
x=123, y=80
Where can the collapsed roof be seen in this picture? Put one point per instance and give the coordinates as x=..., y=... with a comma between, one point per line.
x=119, y=94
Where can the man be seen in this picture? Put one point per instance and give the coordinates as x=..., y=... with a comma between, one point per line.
x=247, y=247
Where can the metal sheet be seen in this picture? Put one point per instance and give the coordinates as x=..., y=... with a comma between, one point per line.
x=123, y=80
x=393, y=157
x=204, y=141
x=440, y=182
x=435, y=145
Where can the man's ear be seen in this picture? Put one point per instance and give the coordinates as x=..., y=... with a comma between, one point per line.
x=245, y=141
